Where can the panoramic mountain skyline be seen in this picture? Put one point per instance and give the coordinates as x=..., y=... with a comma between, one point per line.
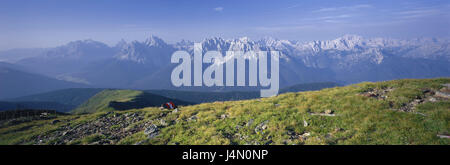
x=146, y=64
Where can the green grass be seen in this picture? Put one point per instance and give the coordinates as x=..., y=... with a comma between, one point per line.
x=111, y=100
x=100, y=101
x=359, y=119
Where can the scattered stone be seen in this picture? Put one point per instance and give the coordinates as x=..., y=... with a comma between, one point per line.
x=68, y=133
x=338, y=129
x=321, y=114
x=223, y=116
x=261, y=127
x=277, y=105
x=446, y=85
x=139, y=142
x=328, y=111
x=192, y=118
x=163, y=122
x=162, y=114
x=151, y=131
x=249, y=123
x=240, y=137
x=432, y=99
x=44, y=115
x=305, y=124
x=304, y=136
x=442, y=95
x=377, y=93
x=55, y=121
x=444, y=136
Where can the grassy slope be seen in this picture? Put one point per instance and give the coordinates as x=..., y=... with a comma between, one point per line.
x=202, y=97
x=111, y=99
x=100, y=101
x=359, y=119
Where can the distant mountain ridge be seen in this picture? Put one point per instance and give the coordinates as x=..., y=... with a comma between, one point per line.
x=146, y=65
x=15, y=82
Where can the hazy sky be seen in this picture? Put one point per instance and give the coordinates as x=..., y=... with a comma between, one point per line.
x=47, y=23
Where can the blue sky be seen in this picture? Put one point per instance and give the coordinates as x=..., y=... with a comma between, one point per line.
x=47, y=23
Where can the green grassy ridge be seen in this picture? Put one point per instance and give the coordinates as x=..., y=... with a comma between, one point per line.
x=115, y=99
x=207, y=96
x=66, y=100
x=359, y=119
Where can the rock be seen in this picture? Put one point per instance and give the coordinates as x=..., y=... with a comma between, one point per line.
x=432, y=99
x=151, y=131
x=44, y=115
x=261, y=127
x=328, y=111
x=192, y=118
x=55, y=121
x=139, y=142
x=163, y=122
x=321, y=114
x=223, y=116
x=445, y=90
x=304, y=136
x=444, y=136
x=305, y=124
x=277, y=105
x=249, y=123
x=153, y=135
x=446, y=85
x=442, y=95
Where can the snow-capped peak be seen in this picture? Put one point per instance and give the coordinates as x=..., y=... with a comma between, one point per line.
x=155, y=41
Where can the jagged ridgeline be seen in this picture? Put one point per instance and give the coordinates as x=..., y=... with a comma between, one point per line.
x=110, y=100
x=408, y=111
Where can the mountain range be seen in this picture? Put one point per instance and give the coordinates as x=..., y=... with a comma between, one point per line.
x=146, y=65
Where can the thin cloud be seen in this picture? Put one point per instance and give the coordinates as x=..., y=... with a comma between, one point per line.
x=334, y=17
x=282, y=28
x=354, y=7
x=417, y=13
x=218, y=9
